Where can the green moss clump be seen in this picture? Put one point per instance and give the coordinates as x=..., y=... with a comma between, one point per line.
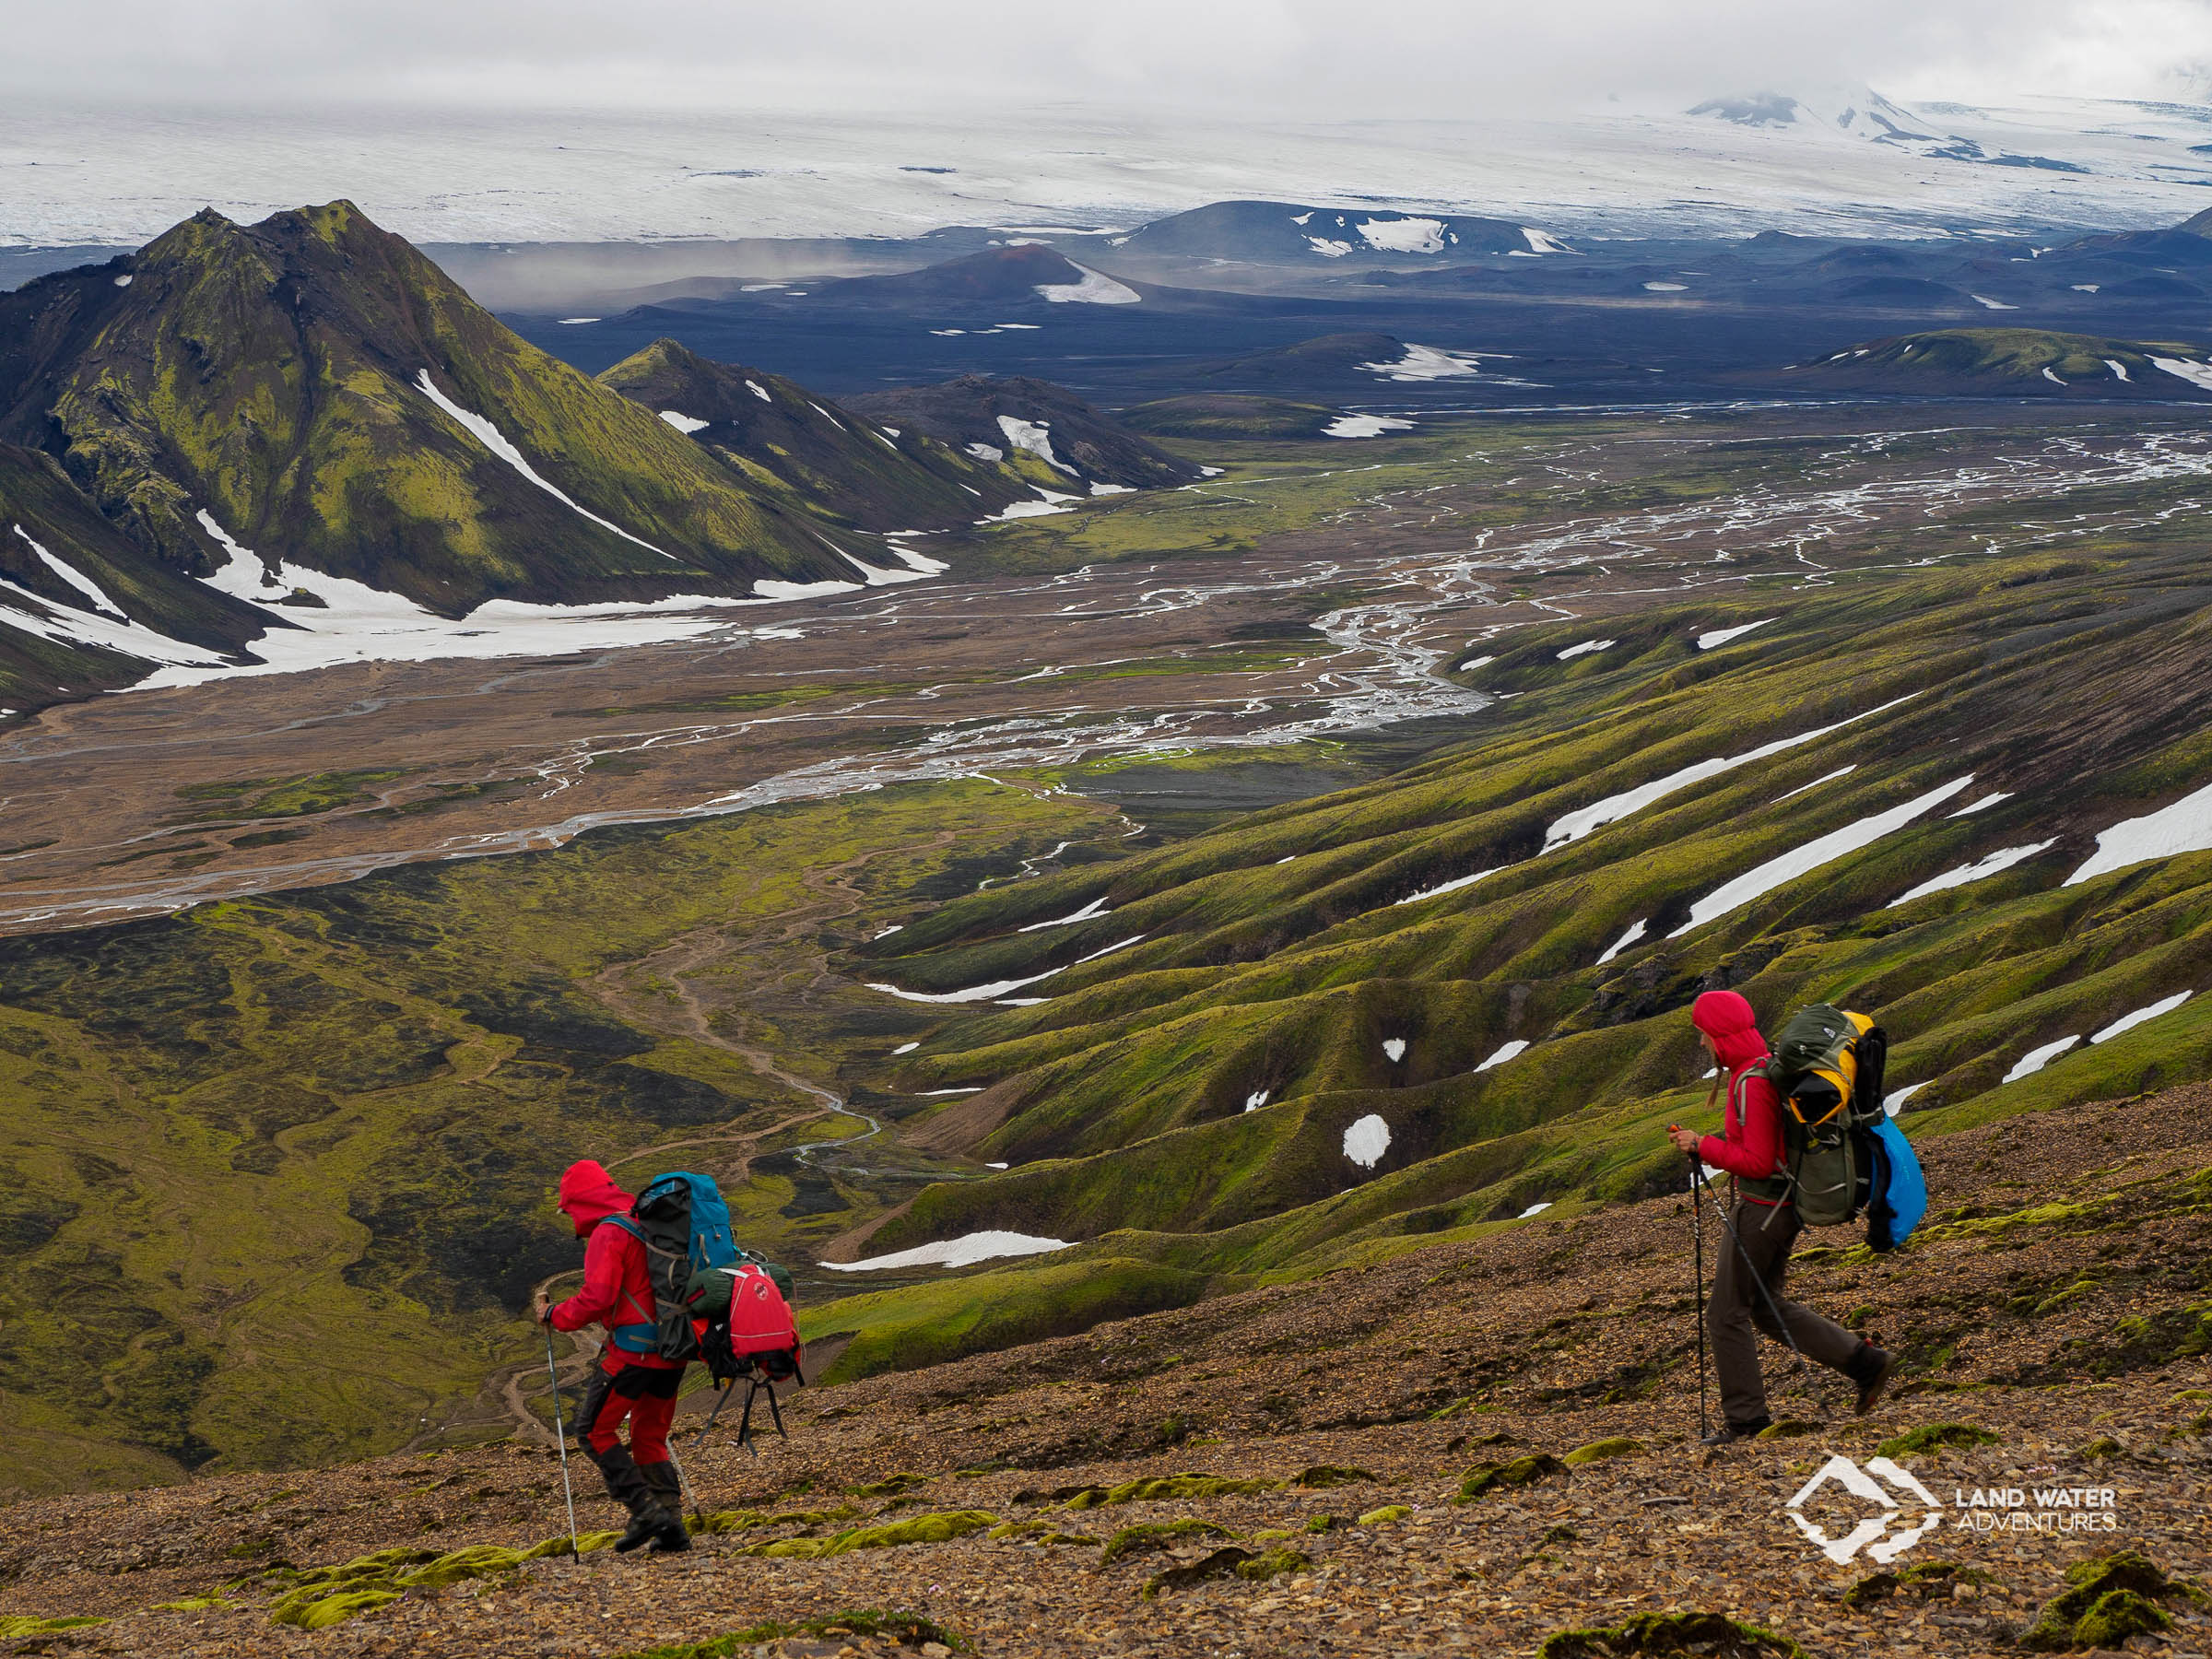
x=889, y=1486
x=1323, y=1476
x=938, y=1527
x=911, y=1630
x=1321, y=1523
x=1929, y=1580
x=730, y=1521
x=1274, y=1561
x=1668, y=1633
x=339, y=1607
x=2106, y=1600
x=12, y=1628
x=323, y=1596
x=1521, y=1471
x=1156, y=1534
x=1931, y=1436
x=1383, y=1516
x=1162, y=1489
x=1617, y=1446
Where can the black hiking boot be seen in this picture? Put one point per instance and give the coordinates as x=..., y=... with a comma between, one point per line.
x=1871, y=1368
x=632, y=1488
x=667, y=1489
x=1729, y=1433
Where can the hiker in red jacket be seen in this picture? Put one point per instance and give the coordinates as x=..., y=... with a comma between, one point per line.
x=632, y=1379
x=1766, y=1225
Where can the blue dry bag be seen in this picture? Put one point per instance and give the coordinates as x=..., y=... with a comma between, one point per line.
x=1900, y=1192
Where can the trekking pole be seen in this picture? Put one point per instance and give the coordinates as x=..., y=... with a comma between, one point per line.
x=1696, y=1224
x=683, y=1483
x=1766, y=1295
x=561, y=1440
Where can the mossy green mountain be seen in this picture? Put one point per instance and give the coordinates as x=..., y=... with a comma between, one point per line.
x=2013, y=362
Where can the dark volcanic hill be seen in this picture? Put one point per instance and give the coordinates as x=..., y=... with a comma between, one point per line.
x=1286, y=233
x=1018, y=417
x=2013, y=362
x=314, y=388
x=781, y=437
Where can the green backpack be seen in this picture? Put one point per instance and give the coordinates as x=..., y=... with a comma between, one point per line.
x=1826, y=1066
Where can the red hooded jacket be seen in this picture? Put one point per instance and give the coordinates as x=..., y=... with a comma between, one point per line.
x=1752, y=1144
x=618, y=1289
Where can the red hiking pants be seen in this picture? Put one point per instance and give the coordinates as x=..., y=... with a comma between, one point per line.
x=645, y=1395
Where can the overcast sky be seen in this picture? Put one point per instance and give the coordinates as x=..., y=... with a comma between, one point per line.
x=1318, y=58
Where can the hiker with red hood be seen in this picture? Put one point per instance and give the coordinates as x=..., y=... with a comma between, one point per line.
x=1765, y=1226
x=632, y=1379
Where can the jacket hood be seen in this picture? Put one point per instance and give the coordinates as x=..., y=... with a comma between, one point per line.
x=589, y=1195
x=1728, y=1019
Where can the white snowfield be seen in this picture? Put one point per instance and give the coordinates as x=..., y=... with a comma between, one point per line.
x=1640, y=167
x=1394, y=1048
x=1586, y=648
x=1365, y=426
x=1714, y=638
x=1983, y=805
x=1989, y=865
x=2184, y=827
x=492, y=439
x=1572, y=826
x=1096, y=907
x=1504, y=1053
x=1367, y=1140
x=2128, y=1022
x=1841, y=771
x=686, y=424
x=1535, y=1209
x=32, y=614
x=1993, y=304
x=1095, y=288
x=1430, y=363
x=2035, y=1059
x=1802, y=861
x=963, y=1252
x=1894, y=1101
x=770, y=588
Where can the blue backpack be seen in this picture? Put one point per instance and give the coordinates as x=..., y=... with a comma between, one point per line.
x=685, y=1227
x=1898, y=1195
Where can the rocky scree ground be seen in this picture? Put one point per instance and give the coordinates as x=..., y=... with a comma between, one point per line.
x=1474, y=1447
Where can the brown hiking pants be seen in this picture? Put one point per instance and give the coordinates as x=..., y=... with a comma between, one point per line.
x=1765, y=1233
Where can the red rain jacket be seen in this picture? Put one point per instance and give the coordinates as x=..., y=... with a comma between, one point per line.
x=618, y=1289
x=1750, y=1147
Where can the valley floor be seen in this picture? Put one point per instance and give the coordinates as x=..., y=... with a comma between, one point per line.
x=2052, y=1313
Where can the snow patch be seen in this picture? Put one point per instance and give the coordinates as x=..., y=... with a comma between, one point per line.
x=1365, y=426
x=1586, y=647
x=1095, y=288
x=492, y=439
x=1000, y=987
x=1894, y=1101
x=2184, y=827
x=1429, y=363
x=1328, y=247
x=1394, y=1048
x=1256, y=1098
x=1366, y=1141
x=2128, y=1022
x=1801, y=861
x=1534, y=1210
x=2052, y=376
x=1582, y=820
x=1481, y=661
x=686, y=424
x=2196, y=374
x=759, y=390
x=1403, y=235
x=963, y=1252
x=1631, y=936
x=1841, y=771
x=123, y=281
x=1098, y=488
x=1667, y=287
x=1993, y=304
x=2004, y=858
x=904, y=1048
x=572, y=322
x=1714, y=638
x=1096, y=907
x=1542, y=242
x=2117, y=366
x=2035, y=1059
x=1983, y=805
x=75, y=578
x=1505, y=1053
x=769, y=588
x=1034, y=437
x=1448, y=887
